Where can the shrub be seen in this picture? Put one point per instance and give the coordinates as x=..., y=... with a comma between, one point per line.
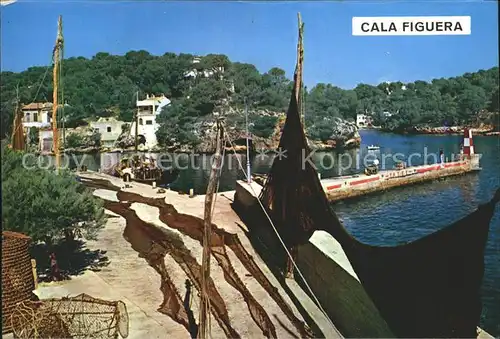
x=46, y=205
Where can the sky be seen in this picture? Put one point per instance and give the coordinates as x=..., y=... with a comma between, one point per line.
x=260, y=33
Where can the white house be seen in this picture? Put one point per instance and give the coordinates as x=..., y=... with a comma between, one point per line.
x=194, y=73
x=109, y=128
x=147, y=112
x=363, y=120
x=37, y=114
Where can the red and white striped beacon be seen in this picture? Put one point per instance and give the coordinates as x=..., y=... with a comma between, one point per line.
x=468, y=144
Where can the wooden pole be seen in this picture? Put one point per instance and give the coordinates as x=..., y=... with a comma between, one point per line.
x=249, y=172
x=55, y=136
x=299, y=67
x=298, y=97
x=136, y=122
x=35, y=275
x=205, y=264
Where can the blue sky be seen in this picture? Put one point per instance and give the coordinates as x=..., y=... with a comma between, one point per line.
x=261, y=33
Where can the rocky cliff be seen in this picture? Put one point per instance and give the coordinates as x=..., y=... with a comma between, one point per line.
x=345, y=134
x=486, y=123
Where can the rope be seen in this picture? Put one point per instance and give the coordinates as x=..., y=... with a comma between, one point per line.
x=220, y=172
x=19, y=127
x=283, y=243
x=43, y=79
x=207, y=241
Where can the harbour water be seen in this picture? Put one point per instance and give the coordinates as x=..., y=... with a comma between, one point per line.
x=389, y=218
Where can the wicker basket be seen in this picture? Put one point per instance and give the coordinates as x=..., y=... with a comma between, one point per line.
x=17, y=274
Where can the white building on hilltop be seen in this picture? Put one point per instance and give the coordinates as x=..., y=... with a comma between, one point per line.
x=147, y=112
x=195, y=72
x=363, y=120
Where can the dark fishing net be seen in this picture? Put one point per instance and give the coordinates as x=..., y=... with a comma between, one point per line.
x=427, y=288
x=18, y=280
x=141, y=235
x=293, y=193
x=18, y=142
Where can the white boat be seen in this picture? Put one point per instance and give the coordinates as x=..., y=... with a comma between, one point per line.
x=373, y=148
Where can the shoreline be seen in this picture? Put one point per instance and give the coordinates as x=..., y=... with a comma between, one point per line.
x=441, y=132
x=238, y=150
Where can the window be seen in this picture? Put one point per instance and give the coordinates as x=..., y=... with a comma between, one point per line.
x=149, y=122
x=35, y=117
x=27, y=116
x=140, y=121
x=109, y=129
x=97, y=130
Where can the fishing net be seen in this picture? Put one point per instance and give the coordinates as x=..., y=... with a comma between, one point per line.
x=18, y=142
x=17, y=274
x=82, y=316
x=143, y=236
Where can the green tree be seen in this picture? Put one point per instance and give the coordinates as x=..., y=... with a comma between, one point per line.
x=74, y=140
x=321, y=130
x=471, y=101
x=263, y=126
x=45, y=205
x=494, y=102
x=370, y=98
x=109, y=83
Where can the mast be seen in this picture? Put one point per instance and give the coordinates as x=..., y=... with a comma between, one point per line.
x=299, y=69
x=136, y=121
x=57, y=62
x=249, y=178
x=207, y=233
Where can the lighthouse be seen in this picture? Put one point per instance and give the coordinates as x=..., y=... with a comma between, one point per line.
x=469, y=151
x=468, y=144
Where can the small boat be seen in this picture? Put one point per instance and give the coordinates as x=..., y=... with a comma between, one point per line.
x=138, y=169
x=373, y=148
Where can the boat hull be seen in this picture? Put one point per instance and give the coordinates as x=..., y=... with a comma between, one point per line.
x=427, y=288
x=146, y=177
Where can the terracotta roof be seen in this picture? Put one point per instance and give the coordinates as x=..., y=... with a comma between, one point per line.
x=37, y=105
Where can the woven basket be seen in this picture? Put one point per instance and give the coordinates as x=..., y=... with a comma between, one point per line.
x=17, y=274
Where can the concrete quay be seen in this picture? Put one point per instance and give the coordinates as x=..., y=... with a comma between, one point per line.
x=345, y=187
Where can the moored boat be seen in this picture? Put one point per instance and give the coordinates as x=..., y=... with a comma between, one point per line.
x=138, y=169
x=145, y=170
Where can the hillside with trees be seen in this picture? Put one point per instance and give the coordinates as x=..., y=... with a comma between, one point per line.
x=107, y=85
